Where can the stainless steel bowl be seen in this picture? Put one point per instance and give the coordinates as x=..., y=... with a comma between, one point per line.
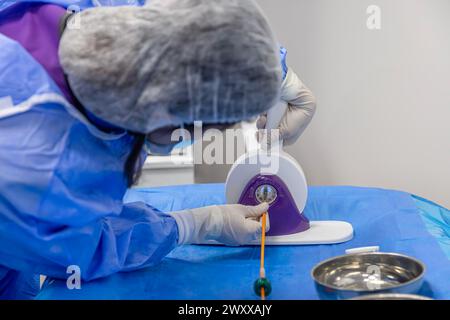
x=391, y=296
x=353, y=275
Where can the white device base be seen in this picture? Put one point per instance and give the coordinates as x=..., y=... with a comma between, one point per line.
x=320, y=232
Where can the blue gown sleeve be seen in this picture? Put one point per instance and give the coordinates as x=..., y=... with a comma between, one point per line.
x=61, y=201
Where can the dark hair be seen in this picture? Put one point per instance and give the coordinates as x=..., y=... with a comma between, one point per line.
x=132, y=172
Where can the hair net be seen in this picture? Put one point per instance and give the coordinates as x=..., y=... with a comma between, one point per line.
x=173, y=62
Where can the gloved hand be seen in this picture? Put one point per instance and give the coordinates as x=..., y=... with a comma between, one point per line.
x=301, y=108
x=231, y=225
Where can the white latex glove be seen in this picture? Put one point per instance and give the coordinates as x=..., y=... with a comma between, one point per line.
x=301, y=109
x=232, y=224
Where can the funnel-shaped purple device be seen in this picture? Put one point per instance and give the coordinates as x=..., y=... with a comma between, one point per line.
x=284, y=215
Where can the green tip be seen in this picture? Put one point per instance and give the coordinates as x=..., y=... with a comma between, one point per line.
x=262, y=283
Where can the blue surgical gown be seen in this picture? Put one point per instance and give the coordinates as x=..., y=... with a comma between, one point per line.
x=61, y=188
x=82, y=4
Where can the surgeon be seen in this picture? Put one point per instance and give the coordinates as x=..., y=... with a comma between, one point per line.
x=80, y=96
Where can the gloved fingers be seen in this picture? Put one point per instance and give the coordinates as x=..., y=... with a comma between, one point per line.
x=259, y=219
x=262, y=136
x=261, y=122
x=260, y=125
x=257, y=227
x=256, y=211
x=254, y=229
x=267, y=222
x=301, y=108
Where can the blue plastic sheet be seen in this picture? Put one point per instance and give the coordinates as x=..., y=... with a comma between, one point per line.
x=390, y=219
x=437, y=221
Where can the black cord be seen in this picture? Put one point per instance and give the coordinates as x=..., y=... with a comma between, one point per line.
x=132, y=172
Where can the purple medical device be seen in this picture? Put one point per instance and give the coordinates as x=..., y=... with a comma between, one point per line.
x=275, y=177
x=284, y=216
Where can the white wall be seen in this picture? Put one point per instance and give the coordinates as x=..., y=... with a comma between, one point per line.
x=383, y=96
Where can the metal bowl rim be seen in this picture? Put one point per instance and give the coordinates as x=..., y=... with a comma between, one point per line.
x=391, y=295
x=421, y=264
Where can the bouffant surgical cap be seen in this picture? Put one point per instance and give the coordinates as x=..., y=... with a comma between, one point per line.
x=173, y=62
